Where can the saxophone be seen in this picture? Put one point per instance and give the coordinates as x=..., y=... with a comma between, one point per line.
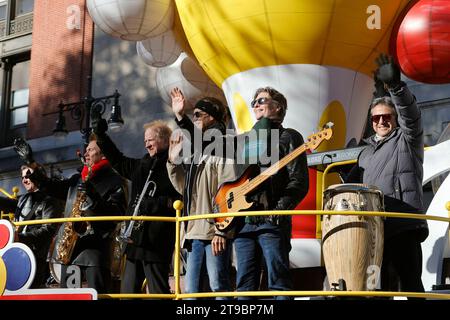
x=69, y=238
x=71, y=233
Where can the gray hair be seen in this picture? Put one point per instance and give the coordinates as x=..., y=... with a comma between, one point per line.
x=387, y=101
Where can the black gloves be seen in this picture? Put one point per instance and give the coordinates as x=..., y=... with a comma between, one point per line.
x=99, y=125
x=388, y=71
x=24, y=151
x=380, y=91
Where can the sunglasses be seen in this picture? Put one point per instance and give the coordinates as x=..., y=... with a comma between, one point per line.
x=376, y=118
x=260, y=101
x=27, y=174
x=199, y=115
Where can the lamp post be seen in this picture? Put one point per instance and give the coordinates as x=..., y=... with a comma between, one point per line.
x=89, y=108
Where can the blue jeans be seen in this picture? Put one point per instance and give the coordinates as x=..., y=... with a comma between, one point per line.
x=217, y=268
x=274, y=248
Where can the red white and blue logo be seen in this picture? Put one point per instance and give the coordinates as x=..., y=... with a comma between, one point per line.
x=17, y=270
x=17, y=262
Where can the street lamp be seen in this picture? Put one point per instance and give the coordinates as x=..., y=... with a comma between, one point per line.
x=85, y=110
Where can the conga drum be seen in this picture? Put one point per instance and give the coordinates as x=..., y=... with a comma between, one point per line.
x=352, y=246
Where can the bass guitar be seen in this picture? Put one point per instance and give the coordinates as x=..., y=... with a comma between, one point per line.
x=231, y=196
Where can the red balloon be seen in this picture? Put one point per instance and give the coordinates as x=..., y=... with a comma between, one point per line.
x=423, y=42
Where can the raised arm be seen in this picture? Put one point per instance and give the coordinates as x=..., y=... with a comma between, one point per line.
x=409, y=117
x=124, y=165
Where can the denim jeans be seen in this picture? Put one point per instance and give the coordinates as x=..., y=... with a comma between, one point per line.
x=273, y=245
x=216, y=266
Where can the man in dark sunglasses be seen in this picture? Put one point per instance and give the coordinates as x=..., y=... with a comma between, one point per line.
x=383, y=117
x=393, y=162
x=271, y=235
x=36, y=205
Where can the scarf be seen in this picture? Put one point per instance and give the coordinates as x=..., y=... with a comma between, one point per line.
x=95, y=168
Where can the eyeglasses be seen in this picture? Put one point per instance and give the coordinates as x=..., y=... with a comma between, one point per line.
x=260, y=101
x=199, y=115
x=386, y=117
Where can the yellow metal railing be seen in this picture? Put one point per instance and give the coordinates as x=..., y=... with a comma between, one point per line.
x=15, y=191
x=178, y=205
x=9, y=215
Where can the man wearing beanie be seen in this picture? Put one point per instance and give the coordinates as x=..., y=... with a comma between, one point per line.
x=198, y=179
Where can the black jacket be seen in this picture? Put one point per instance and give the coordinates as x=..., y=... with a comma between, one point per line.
x=38, y=237
x=155, y=240
x=285, y=189
x=107, y=193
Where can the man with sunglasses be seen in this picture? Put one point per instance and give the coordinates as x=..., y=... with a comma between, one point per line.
x=36, y=205
x=393, y=162
x=198, y=179
x=271, y=235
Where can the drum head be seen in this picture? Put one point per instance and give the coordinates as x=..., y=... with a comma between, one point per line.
x=361, y=197
x=351, y=187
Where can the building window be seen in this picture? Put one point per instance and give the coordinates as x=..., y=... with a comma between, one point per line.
x=24, y=7
x=3, y=17
x=16, y=18
x=3, y=6
x=19, y=94
x=14, y=98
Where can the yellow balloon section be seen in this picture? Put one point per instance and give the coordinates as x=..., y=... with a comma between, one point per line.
x=2, y=276
x=232, y=36
x=243, y=118
x=335, y=113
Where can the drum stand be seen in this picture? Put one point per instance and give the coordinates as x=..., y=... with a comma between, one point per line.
x=340, y=286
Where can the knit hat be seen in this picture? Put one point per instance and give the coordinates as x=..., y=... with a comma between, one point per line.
x=213, y=107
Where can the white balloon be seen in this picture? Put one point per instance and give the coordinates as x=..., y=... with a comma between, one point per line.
x=189, y=78
x=145, y=56
x=132, y=20
x=159, y=51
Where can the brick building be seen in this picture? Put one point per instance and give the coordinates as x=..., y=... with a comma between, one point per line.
x=48, y=50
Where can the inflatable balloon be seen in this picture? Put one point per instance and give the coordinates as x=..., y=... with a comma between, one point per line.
x=132, y=20
x=319, y=54
x=189, y=77
x=422, y=44
x=159, y=51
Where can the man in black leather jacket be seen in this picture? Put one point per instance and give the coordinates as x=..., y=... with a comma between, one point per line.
x=282, y=191
x=35, y=205
x=150, y=254
x=105, y=196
